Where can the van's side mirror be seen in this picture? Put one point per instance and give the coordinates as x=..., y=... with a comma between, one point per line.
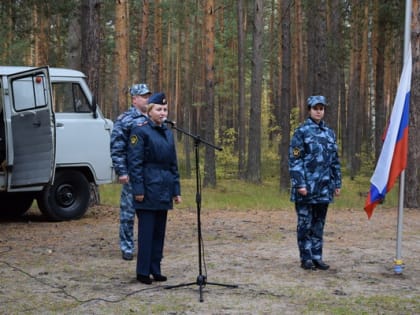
x=94, y=107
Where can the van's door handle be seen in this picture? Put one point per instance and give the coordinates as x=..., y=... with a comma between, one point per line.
x=59, y=124
x=37, y=123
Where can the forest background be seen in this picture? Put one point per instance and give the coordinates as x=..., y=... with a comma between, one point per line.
x=236, y=72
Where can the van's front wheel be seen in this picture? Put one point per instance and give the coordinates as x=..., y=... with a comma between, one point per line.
x=67, y=199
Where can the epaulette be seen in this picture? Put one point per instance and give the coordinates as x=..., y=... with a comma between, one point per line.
x=142, y=123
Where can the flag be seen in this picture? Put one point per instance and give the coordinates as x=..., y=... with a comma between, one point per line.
x=393, y=158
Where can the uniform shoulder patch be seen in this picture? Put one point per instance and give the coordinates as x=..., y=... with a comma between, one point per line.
x=134, y=139
x=296, y=152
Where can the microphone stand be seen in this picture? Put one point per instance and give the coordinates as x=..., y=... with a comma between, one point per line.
x=201, y=279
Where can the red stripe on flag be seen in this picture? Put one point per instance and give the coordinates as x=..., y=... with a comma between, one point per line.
x=370, y=205
x=399, y=160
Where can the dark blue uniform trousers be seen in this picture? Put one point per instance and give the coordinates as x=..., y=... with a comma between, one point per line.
x=310, y=229
x=151, y=237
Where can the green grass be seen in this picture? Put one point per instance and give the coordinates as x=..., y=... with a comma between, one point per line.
x=232, y=194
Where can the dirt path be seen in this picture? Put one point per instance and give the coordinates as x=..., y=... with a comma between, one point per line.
x=76, y=268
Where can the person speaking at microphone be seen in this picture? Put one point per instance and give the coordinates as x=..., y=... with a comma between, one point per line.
x=153, y=171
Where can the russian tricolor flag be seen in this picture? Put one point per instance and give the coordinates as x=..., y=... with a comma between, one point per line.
x=393, y=158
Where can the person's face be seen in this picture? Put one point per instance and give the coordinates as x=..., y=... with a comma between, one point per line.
x=317, y=112
x=158, y=113
x=140, y=102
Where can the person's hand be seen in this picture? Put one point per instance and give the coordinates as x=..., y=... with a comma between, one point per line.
x=139, y=198
x=123, y=179
x=337, y=191
x=177, y=199
x=303, y=191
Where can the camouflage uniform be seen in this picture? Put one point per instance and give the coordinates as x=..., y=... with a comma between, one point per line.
x=313, y=164
x=119, y=142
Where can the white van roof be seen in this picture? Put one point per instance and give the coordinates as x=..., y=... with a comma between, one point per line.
x=54, y=72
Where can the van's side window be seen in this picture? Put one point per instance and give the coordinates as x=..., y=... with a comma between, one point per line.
x=68, y=97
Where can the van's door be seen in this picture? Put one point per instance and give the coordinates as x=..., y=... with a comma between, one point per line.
x=31, y=157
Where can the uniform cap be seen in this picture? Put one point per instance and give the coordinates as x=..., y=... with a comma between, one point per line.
x=158, y=98
x=315, y=100
x=139, y=89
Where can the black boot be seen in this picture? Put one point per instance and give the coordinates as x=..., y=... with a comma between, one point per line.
x=158, y=277
x=144, y=279
x=308, y=265
x=320, y=264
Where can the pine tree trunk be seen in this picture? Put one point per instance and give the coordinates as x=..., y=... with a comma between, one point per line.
x=121, y=53
x=144, y=37
x=285, y=96
x=208, y=122
x=91, y=42
x=241, y=89
x=254, y=143
x=300, y=62
x=73, y=42
x=411, y=191
x=41, y=20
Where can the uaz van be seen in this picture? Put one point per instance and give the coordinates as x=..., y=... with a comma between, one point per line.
x=54, y=142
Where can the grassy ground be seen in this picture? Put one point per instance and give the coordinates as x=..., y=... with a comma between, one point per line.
x=239, y=195
x=75, y=267
x=249, y=239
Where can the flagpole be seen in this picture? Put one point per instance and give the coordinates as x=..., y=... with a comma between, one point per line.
x=398, y=262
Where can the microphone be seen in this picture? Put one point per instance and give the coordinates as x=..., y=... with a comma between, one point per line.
x=170, y=122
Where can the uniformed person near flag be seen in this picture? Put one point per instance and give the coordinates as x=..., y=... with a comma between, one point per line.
x=153, y=169
x=137, y=113
x=315, y=175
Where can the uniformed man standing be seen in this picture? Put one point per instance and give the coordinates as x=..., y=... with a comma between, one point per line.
x=315, y=174
x=136, y=115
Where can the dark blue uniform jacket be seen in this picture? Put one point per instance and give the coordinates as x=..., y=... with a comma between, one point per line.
x=152, y=166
